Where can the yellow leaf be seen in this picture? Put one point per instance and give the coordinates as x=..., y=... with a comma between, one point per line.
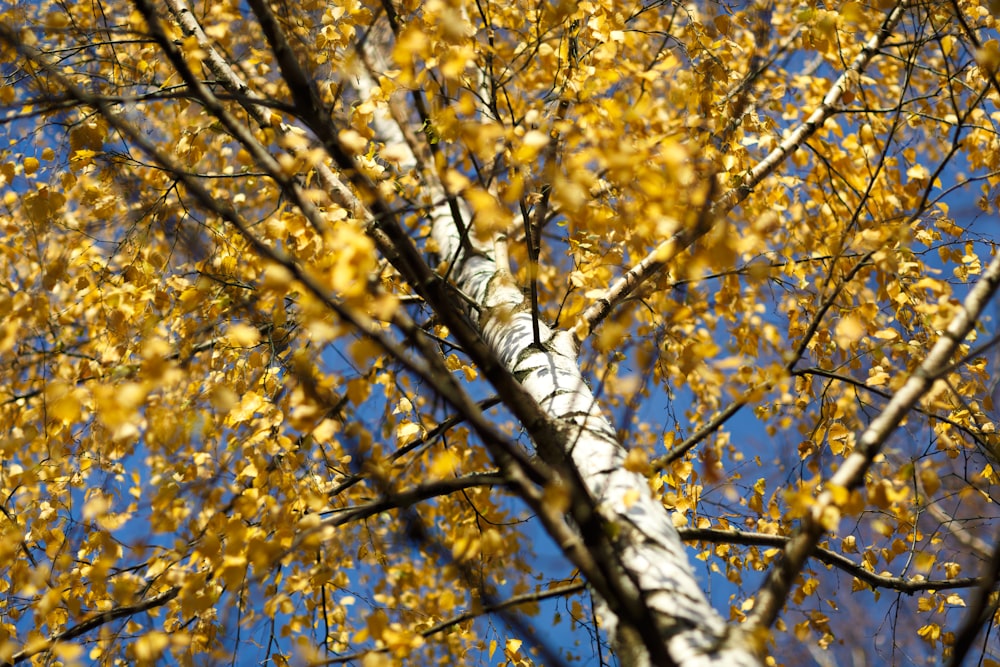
x=492, y=541
x=988, y=56
x=929, y=478
x=56, y=20
x=444, y=464
x=466, y=547
x=531, y=146
x=491, y=217
x=150, y=646
x=411, y=42
x=68, y=653
x=924, y=561
x=375, y=659
x=407, y=432
x=830, y=518
x=799, y=501
x=234, y=569
x=848, y=330
x=556, y=496
x=852, y=12
x=611, y=334
x=243, y=335
x=877, y=377
x=63, y=401
x=838, y=494
x=251, y=403
x=401, y=641
x=377, y=622
x=358, y=390
x=353, y=141
x=43, y=205
x=396, y=153
x=276, y=277
x=930, y=632
x=637, y=461
x=223, y=398
x=364, y=350
x=97, y=505
x=217, y=31
x=948, y=41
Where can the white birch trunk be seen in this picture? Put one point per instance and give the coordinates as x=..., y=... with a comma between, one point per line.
x=649, y=547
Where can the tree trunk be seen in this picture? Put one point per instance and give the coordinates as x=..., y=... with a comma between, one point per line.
x=650, y=553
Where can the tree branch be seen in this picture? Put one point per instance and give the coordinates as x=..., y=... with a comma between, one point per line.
x=652, y=263
x=403, y=499
x=508, y=455
x=517, y=600
x=824, y=513
x=734, y=407
x=433, y=433
x=860, y=384
x=258, y=108
x=829, y=557
x=982, y=608
x=103, y=618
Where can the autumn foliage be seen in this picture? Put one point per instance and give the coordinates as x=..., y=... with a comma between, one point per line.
x=380, y=332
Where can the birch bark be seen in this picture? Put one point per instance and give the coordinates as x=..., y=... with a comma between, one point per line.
x=649, y=548
x=652, y=562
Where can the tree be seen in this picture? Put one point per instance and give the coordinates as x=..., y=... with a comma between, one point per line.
x=319, y=314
